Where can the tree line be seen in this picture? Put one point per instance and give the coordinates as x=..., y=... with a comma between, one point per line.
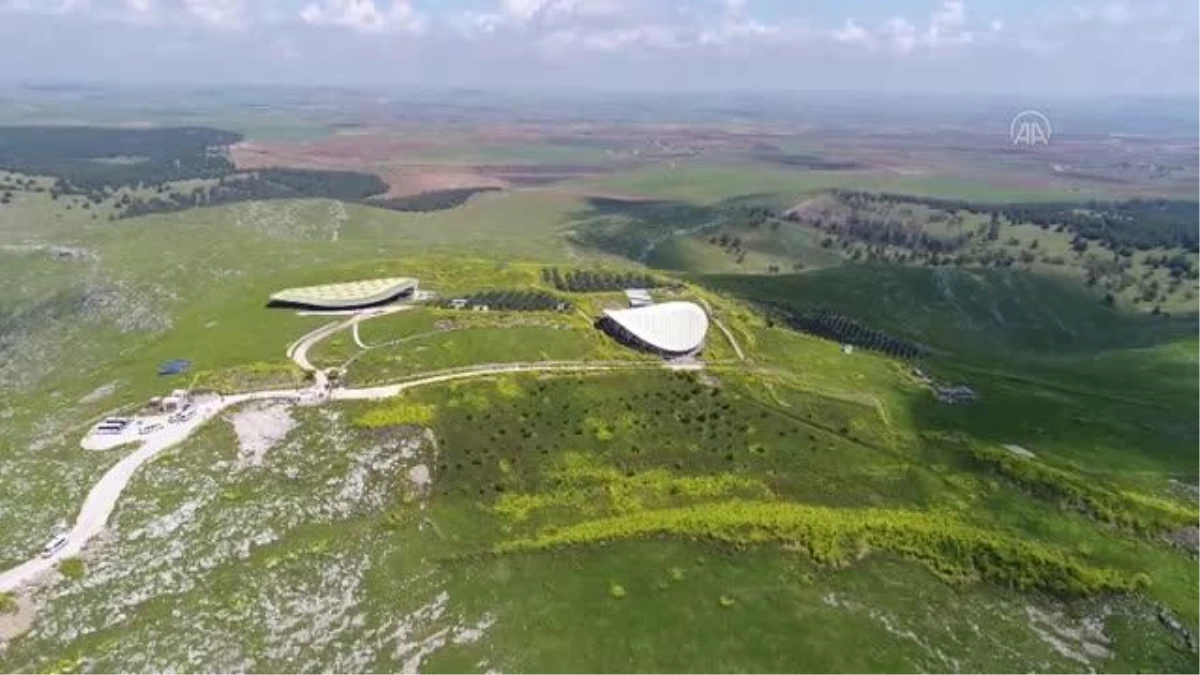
x=888, y=233
x=262, y=184
x=517, y=301
x=841, y=328
x=596, y=281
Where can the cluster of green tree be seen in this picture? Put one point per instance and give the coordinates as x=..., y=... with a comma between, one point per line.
x=751, y=216
x=90, y=159
x=1178, y=265
x=589, y=281
x=1140, y=224
x=729, y=244
x=843, y=329
x=435, y=200
x=1139, y=514
x=518, y=301
x=886, y=232
x=955, y=551
x=351, y=186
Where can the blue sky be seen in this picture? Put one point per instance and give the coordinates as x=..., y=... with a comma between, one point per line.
x=934, y=46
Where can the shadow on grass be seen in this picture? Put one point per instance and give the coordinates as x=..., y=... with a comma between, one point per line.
x=632, y=228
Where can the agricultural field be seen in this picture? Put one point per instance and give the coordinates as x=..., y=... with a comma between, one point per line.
x=514, y=490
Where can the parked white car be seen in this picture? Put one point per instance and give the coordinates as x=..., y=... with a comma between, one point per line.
x=183, y=415
x=54, y=546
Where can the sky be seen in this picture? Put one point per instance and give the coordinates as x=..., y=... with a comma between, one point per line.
x=1084, y=47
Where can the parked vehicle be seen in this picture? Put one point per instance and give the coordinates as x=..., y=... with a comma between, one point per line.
x=56, y=544
x=183, y=415
x=150, y=428
x=112, y=425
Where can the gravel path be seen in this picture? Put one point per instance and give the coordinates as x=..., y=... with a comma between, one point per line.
x=102, y=499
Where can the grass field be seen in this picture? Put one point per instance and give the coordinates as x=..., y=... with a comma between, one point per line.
x=485, y=345
x=702, y=184
x=803, y=509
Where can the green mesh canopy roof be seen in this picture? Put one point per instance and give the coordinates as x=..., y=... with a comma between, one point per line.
x=344, y=295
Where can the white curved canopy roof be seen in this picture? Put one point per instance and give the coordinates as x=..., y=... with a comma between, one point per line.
x=350, y=294
x=672, y=326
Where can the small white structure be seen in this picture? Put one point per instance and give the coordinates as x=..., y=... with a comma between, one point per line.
x=638, y=297
x=458, y=303
x=847, y=349
x=178, y=400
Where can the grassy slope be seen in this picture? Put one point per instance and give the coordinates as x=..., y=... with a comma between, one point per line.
x=813, y=426
x=970, y=311
x=193, y=285
x=706, y=184
x=1057, y=370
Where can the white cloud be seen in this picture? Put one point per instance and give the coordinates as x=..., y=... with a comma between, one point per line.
x=1112, y=13
x=217, y=13
x=852, y=34
x=735, y=25
x=620, y=41
x=44, y=6
x=946, y=27
x=212, y=13
x=364, y=15
x=610, y=25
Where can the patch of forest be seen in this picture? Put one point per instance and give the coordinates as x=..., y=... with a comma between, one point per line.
x=1117, y=246
x=89, y=159
x=434, y=200
x=350, y=186
x=96, y=163
x=1140, y=224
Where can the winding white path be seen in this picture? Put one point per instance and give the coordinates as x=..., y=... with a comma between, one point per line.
x=102, y=499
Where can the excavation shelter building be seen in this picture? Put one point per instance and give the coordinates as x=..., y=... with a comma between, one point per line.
x=669, y=329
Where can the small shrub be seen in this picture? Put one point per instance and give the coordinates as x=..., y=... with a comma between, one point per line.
x=72, y=568
x=8, y=603
x=617, y=591
x=727, y=601
x=396, y=413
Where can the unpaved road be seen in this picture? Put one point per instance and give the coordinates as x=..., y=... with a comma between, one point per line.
x=102, y=499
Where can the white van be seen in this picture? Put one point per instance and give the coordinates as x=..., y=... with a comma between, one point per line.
x=54, y=546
